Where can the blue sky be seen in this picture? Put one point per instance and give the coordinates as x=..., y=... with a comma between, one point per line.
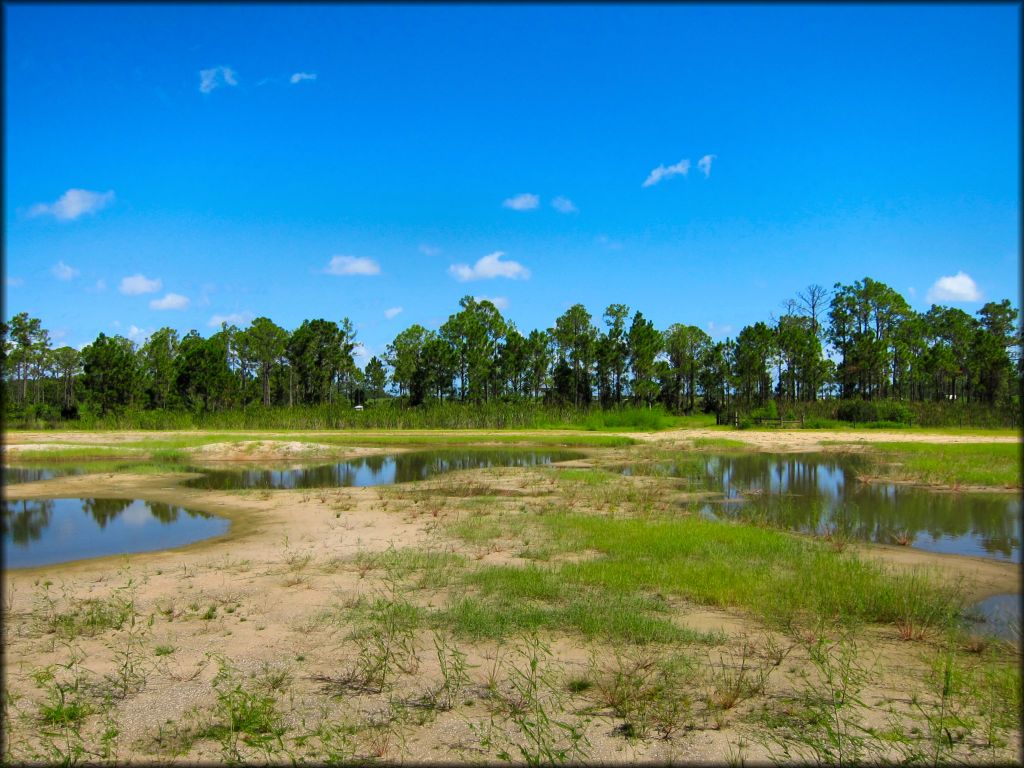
x=178, y=165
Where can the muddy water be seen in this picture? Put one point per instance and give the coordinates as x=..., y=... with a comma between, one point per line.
x=48, y=531
x=375, y=470
x=820, y=493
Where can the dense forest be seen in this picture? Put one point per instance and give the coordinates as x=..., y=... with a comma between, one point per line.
x=858, y=352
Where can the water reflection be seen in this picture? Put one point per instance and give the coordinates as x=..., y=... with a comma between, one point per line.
x=46, y=531
x=820, y=494
x=375, y=470
x=12, y=475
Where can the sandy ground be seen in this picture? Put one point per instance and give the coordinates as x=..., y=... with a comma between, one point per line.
x=274, y=597
x=797, y=440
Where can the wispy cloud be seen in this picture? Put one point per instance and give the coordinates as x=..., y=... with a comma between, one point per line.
x=522, y=202
x=392, y=313
x=72, y=204
x=564, y=205
x=718, y=330
x=488, y=267
x=170, y=301
x=235, y=318
x=912, y=291
x=12, y=282
x=64, y=272
x=607, y=242
x=429, y=250
x=216, y=77
x=352, y=265
x=298, y=77
x=704, y=164
x=498, y=301
x=99, y=286
x=665, y=172
x=137, y=284
x=958, y=287
x=136, y=334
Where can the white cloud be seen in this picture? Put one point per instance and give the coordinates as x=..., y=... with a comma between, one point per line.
x=704, y=164
x=522, y=202
x=170, y=301
x=11, y=282
x=235, y=318
x=136, y=284
x=72, y=204
x=298, y=77
x=488, y=267
x=718, y=330
x=912, y=291
x=62, y=271
x=564, y=205
x=958, y=287
x=136, y=334
x=662, y=172
x=429, y=250
x=392, y=313
x=215, y=77
x=352, y=265
x=498, y=301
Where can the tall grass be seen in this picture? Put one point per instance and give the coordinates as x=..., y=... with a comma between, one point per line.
x=388, y=415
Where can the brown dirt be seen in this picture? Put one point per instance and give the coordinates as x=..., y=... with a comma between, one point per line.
x=280, y=581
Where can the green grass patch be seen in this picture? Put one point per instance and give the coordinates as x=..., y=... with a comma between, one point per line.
x=720, y=443
x=584, y=476
x=593, y=613
x=988, y=464
x=774, y=575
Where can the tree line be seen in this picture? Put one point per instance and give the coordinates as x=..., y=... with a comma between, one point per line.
x=856, y=342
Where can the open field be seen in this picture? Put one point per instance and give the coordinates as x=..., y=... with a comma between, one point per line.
x=543, y=614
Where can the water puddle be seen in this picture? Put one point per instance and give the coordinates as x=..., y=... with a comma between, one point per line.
x=998, y=616
x=14, y=475
x=819, y=493
x=374, y=470
x=48, y=531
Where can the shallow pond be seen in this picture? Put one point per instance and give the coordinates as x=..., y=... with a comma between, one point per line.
x=375, y=470
x=47, y=531
x=13, y=475
x=819, y=493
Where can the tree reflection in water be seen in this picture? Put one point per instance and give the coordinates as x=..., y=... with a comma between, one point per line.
x=818, y=494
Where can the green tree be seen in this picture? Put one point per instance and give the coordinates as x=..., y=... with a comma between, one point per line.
x=404, y=355
x=376, y=377
x=318, y=351
x=67, y=365
x=111, y=377
x=644, y=344
x=263, y=344
x=686, y=346
x=202, y=377
x=158, y=356
x=755, y=347
x=575, y=337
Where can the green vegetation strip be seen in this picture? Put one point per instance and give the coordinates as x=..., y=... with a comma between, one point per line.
x=989, y=464
x=775, y=576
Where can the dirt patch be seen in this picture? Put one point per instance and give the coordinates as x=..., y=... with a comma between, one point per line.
x=270, y=450
x=800, y=440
